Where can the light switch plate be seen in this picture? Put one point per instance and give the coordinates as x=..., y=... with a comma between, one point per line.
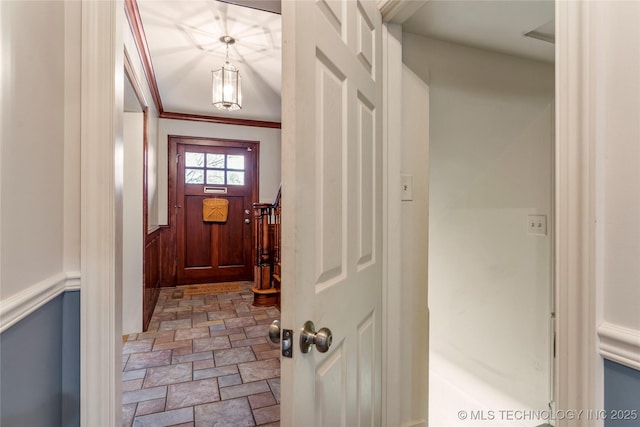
x=407, y=187
x=537, y=224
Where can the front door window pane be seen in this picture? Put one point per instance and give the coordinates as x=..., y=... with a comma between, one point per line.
x=235, y=162
x=215, y=161
x=235, y=178
x=215, y=177
x=194, y=176
x=194, y=160
x=214, y=168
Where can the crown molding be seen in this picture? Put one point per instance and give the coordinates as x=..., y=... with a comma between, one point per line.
x=219, y=120
x=135, y=23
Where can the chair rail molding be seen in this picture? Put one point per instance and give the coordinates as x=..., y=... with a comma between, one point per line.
x=620, y=344
x=22, y=304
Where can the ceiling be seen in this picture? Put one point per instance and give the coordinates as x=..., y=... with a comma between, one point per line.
x=493, y=25
x=183, y=38
x=183, y=42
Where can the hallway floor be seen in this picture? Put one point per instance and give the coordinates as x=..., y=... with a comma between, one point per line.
x=206, y=360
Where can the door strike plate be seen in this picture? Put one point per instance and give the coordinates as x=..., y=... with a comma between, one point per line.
x=287, y=343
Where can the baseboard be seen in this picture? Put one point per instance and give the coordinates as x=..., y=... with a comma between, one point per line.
x=620, y=344
x=22, y=304
x=415, y=423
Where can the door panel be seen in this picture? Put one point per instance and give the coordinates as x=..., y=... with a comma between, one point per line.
x=215, y=251
x=197, y=237
x=332, y=225
x=233, y=253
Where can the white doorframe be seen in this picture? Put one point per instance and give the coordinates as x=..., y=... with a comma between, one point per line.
x=579, y=382
x=579, y=379
x=102, y=78
x=392, y=272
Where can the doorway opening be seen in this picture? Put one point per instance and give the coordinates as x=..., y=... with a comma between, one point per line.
x=491, y=180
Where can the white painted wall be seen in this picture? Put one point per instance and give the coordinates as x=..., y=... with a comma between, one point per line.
x=269, y=153
x=490, y=166
x=34, y=148
x=617, y=94
x=73, y=23
x=132, y=234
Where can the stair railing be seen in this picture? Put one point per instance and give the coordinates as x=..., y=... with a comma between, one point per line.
x=267, y=251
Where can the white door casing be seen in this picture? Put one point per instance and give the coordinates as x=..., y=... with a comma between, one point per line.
x=332, y=214
x=101, y=178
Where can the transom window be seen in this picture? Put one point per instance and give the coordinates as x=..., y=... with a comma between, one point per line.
x=213, y=169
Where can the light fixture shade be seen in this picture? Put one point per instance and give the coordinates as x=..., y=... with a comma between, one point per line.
x=226, y=90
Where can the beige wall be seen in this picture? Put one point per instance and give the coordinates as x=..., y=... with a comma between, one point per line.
x=617, y=130
x=39, y=193
x=491, y=145
x=132, y=226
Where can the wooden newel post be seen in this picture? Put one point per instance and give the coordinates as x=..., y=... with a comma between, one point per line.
x=267, y=233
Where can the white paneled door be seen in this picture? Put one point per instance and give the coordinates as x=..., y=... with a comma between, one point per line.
x=332, y=210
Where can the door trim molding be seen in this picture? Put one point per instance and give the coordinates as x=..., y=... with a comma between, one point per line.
x=397, y=11
x=172, y=181
x=391, y=264
x=101, y=118
x=578, y=366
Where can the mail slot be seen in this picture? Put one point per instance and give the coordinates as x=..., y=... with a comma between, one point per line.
x=215, y=190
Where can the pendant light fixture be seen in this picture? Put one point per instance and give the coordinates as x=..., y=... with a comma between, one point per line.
x=226, y=86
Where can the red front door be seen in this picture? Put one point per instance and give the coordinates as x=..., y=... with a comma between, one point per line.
x=209, y=252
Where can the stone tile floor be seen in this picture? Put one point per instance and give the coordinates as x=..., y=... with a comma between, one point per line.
x=205, y=360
